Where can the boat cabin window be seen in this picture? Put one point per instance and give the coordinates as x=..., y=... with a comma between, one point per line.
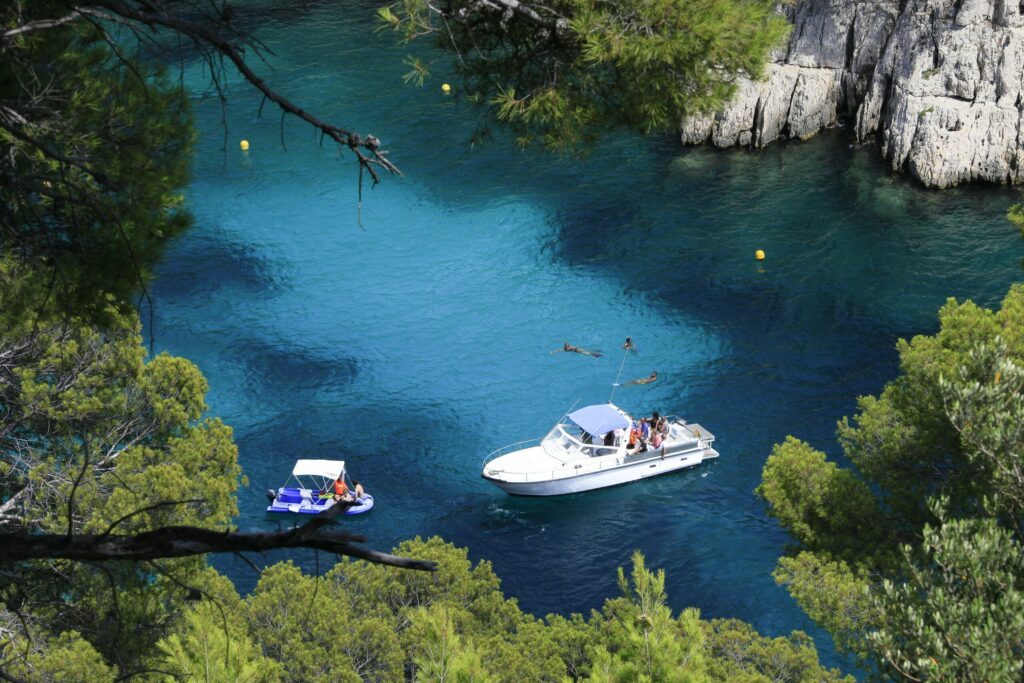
x=570, y=443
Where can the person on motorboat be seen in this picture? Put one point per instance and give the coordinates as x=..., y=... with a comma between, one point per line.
x=569, y=348
x=638, y=433
x=659, y=424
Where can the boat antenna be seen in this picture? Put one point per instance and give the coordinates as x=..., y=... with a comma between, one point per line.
x=626, y=348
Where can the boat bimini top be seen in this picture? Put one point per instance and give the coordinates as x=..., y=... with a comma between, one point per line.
x=322, y=472
x=600, y=419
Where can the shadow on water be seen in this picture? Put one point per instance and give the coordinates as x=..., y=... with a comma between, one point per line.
x=203, y=263
x=275, y=367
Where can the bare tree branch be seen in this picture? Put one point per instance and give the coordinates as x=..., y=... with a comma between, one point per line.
x=185, y=541
x=37, y=25
x=152, y=17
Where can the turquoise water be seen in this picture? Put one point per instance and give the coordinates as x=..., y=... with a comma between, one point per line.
x=415, y=345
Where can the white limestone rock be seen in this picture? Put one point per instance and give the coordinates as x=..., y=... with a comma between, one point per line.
x=938, y=82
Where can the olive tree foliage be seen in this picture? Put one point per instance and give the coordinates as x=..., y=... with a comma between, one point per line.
x=912, y=560
x=958, y=613
x=365, y=622
x=565, y=71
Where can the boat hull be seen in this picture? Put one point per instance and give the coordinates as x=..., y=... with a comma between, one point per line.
x=300, y=502
x=622, y=474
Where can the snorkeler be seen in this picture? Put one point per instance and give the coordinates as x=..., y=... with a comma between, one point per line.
x=653, y=377
x=569, y=348
x=629, y=345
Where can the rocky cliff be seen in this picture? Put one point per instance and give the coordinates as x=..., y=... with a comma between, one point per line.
x=938, y=82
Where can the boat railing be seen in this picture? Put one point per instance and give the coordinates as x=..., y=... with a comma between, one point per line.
x=518, y=445
x=583, y=467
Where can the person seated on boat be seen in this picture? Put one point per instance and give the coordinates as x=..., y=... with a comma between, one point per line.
x=359, y=493
x=609, y=439
x=659, y=424
x=656, y=439
x=645, y=435
x=341, y=491
x=638, y=436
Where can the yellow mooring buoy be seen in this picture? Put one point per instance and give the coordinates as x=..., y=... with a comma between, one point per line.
x=759, y=255
x=445, y=88
x=244, y=145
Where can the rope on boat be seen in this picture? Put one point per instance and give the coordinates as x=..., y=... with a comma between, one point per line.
x=618, y=376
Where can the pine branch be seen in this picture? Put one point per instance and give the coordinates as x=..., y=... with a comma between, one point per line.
x=154, y=16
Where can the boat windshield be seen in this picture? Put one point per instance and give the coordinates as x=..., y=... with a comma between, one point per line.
x=564, y=440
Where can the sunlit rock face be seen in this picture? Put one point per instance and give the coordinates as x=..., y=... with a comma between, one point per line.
x=936, y=82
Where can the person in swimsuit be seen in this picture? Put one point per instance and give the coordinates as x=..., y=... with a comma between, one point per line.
x=653, y=377
x=569, y=348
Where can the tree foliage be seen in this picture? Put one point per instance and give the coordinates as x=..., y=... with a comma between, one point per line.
x=95, y=440
x=95, y=138
x=213, y=648
x=365, y=622
x=564, y=72
x=95, y=155
x=911, y=560
x=958, y=614
x=100, y=448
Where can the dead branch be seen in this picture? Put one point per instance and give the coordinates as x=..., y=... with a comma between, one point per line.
x=186, y=541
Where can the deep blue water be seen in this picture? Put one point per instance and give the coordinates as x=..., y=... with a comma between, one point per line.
x=415, y=345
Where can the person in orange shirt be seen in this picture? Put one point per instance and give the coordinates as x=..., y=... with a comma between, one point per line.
x=341, y=491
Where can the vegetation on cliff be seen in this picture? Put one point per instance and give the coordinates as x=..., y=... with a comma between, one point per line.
x=563, y=73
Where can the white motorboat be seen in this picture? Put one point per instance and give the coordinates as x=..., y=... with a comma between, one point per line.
x=590, y=449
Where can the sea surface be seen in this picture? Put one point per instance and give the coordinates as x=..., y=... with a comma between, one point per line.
x=417, y=342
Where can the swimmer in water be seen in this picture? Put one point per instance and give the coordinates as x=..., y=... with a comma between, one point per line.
x=629, y=345
x=569, y=348
x=653, y=377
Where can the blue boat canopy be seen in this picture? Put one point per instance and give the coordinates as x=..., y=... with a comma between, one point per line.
x=599, y=419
